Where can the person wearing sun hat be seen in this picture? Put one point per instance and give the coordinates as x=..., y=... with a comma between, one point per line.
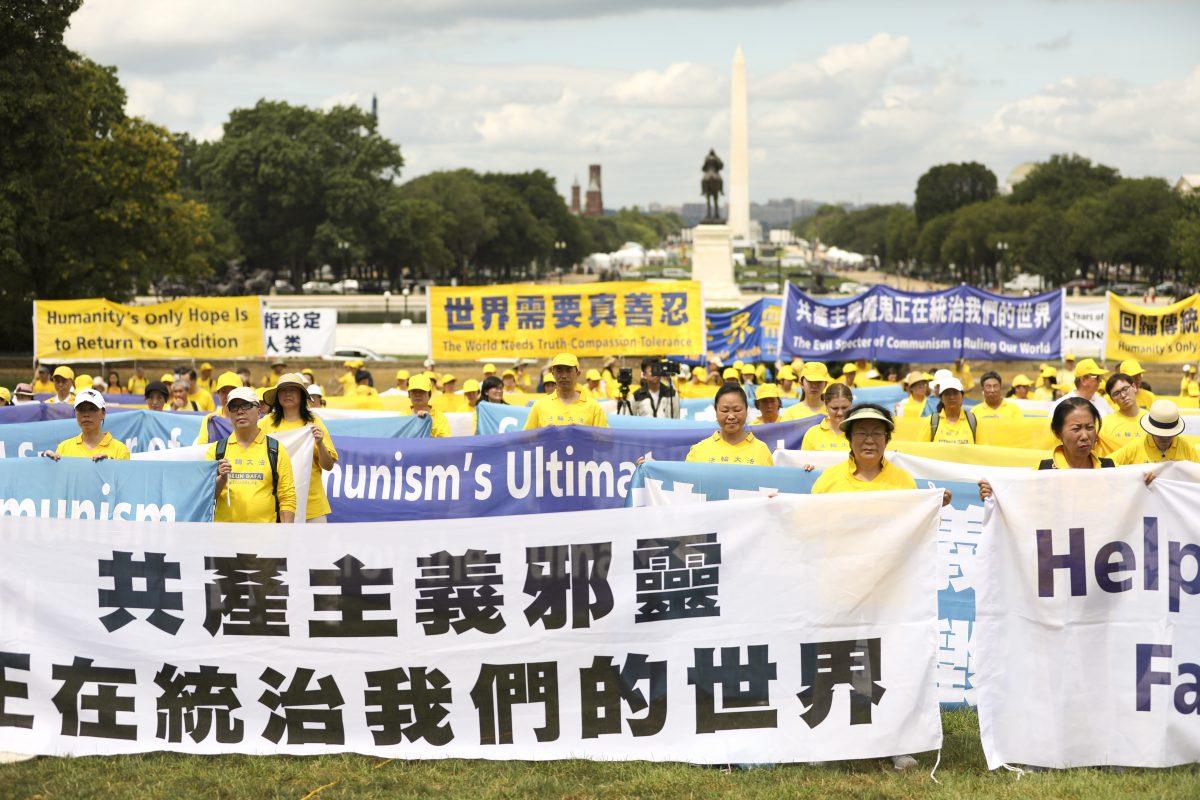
x=916, y=384
x=1144, y=397
x=769, y=404
x=289, y=411
x=849, y=374
x=1088, y=375
x=420, y=390
x=22, y=394
x=786, y=379
x=93, y=441
x=1021, y=386
x=225, y=383
x=868, y=429
x=814, y=377
x=1046, y=387
x=566, y=406
x=1163, y=425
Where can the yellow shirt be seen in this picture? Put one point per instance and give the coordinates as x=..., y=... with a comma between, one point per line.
x=208, y=384
x=54, y=399
x=552, y=411
x=715, y=450
x=365, y=390
x=439, y=426
x=450, y=403
x=1006, y=410
x=954, y=432
x=908, y=407
x=823, y=437
x=270, y=379
x=760, y=421
x=1183, y=386
x=75, y=448
x=1145, y=451
x=1043, y=393
x=1120, y=430
x=318, y=502
x=134, y=385
x=40, y=387
x=247, y=496
x=790, y=392
x=843, y=478
x=800, y=411
x=348, y=383
x=203, y=400
x=1060, y=459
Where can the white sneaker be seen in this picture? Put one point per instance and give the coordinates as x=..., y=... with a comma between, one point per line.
x=903, y=762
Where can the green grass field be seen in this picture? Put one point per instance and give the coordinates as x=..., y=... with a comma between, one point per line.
x=962, y=774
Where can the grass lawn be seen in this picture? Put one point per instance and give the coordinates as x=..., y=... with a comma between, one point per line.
x=962, y=774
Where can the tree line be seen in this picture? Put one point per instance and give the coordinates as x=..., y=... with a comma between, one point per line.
x=1067, y=219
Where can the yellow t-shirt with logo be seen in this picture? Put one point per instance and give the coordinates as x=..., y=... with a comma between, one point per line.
x=908, y=407
x=841, y=478
x=247, y=496
x=134, y=385
x=108, y=446
x=799, y=411
x=550, y=411
x=1145, y=451
x=954, y=432
x=715, y=450
x=1006, y=410
x=1119, y=430
x=824, y=437
x=318, y=502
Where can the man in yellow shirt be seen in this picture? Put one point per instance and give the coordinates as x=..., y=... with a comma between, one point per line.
x=205, y=380
x=420, y=389
x=565, y=406
x=1131, y=367
x=1188, y=381
x=93, y=441
x=994, y=406
x=64, y=385
x=225, y=384
x=249, y=488
x=138, y=381
x=346, y=379
x=1162, y=442
x=272, y=377
x=42, y=383
x=814, y=377
x=199, y=396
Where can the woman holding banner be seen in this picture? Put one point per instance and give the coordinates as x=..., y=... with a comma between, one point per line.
x=828, y=434
x=93, y=441
x=814, y=377
x=732, y=443
x=867, y=429
x=289, y=410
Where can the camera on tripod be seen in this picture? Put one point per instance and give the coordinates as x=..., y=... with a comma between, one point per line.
x=664, y=368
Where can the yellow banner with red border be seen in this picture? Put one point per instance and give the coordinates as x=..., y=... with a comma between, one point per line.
x=1153, y=334
x=96, y=329
x=589, y=319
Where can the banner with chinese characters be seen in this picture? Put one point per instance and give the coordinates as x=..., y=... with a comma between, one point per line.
x=590, y=319
x=748, y=334
x=299, y=331
x=669, y=634
x=96, y=329
x=922, y=328
x=1088, y=619
x=1153, y=334
x=674, y=483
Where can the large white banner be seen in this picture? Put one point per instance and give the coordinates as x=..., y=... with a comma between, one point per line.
x=299, y=331
x=1084, y=327
x=1088, y=623
x=763, y=630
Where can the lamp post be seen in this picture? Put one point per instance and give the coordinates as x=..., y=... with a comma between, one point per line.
x=404, y=292
x=387, y=306
x=344, y=247
x=1003, y=248
x=559, y=248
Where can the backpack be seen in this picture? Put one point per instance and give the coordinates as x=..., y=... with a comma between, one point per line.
x=272, y=460
x=935, y=420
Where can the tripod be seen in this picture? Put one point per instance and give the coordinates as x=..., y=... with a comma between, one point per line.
x=624, y=406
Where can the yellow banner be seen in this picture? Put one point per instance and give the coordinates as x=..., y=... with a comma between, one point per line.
x=190, y=327
x=1153, y=335
x=590, y=319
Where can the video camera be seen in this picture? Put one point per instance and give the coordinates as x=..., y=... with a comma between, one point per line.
x=664, y=368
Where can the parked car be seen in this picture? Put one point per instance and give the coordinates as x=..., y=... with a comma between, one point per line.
x=347, y=286
x=1023, y=282
x=316, y=287
x=363, y=353
x=283, y=287
x=851, y=287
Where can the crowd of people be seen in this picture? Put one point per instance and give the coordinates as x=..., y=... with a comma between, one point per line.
x=1100, y=419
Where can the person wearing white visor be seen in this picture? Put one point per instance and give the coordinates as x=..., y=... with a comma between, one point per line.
x=93, y=441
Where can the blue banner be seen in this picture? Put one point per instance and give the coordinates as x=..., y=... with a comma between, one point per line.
x=396, y=427
x=141, y=430
x=958, y=541
x=496, y=418
x=40, y=412
x=77, y=488
x=748, y=334
x=529, y=472
x=922, y=328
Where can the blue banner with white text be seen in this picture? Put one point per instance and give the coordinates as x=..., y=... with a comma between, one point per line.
x=922, y=328
x=140, y=430
x=748, y=334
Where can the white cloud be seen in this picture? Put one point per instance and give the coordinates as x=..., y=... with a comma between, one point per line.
x=154, y=101
x=682, y=84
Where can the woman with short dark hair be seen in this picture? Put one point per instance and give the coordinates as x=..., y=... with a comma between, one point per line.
x=732, y=443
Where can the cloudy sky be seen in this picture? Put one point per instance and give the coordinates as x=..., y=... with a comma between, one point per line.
x=848, y=100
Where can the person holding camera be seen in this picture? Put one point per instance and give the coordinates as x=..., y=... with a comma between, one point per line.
x=656, y=397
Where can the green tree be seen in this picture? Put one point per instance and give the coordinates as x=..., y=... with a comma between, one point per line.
x=1044, y=245
x=1128, y=225
x=540, y=194
x=460, y=196
x=947, y=187
x=1062, y=180
x=1185, y=240
x=90, y=201
x=900, y=234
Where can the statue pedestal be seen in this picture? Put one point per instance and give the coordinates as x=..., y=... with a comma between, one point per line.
x=712, y=264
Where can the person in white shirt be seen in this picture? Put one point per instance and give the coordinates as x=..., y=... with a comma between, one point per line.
x=655, y=398
x=1087, y=385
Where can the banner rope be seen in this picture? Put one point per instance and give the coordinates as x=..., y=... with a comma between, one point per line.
x=936, y=764
x=320, y=789
x=1017, y=770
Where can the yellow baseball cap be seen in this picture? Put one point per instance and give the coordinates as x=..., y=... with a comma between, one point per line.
x=489, y=369
x=766, y=392
x=307, y=371
x=700, y=374
x=731, y=374
x=1069, y=357
x=206, y=365
x=1089, y=367
x=448, y=378
x=593, y=374
x=565, y=360
x=849, y=366
x=432, y=376
x=83, y=382
x=1048, y=372
x=748, y=369
x=65, y=372
x=815, y=371
x=1021, y=380
x=739, y=364
x=470, y=385
x=354, y=363
x=401, y=374
x=1131, y=367
x=168, y=378
x=420, y=383
x=548, y=377
x=229, y=379
x=786, y=373
x=508, y=373
x=4, y=393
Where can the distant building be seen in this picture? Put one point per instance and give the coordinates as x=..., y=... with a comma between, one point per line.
x=1019, y=173
x=782, y=213
x=595, y=202
x=1188, y=183
x=575, y=197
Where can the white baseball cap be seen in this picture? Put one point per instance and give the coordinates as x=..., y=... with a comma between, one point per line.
x=243, y=393
x=89, y=396
x=315, y=390
x=949, y=383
